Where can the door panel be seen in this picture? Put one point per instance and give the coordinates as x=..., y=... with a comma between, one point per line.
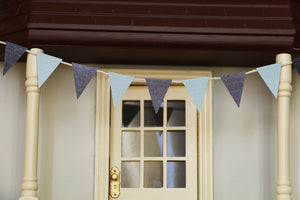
x=156, y=153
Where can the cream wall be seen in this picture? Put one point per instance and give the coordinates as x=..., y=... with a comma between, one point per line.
x=244, y=141
x=244, y=138
x=12, y=126
x=67, y=126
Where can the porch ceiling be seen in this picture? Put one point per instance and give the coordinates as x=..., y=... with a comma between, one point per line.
x=217, y=32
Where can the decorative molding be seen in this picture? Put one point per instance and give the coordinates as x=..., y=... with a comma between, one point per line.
x=30, y=186
x=102, y=136
x=284, y=189
x=205, y=146
x=205, y=134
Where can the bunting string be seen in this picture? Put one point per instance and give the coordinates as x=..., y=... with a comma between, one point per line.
x=62, y=62
x=46, y=65
x=142, y=79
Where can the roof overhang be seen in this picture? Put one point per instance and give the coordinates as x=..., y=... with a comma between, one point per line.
x=155, y=32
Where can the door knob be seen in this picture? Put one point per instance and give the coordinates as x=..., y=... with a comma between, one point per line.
x=114, y=182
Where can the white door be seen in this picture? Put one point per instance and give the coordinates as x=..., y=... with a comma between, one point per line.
x=156, y=153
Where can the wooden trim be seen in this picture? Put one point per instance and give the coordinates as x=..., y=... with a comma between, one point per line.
x=102, y=138
x=156, y=29
x=30, y=185
x=205, y=144
x=205, y=134
x=159, y=40
x=284, y=189
x=295, y=6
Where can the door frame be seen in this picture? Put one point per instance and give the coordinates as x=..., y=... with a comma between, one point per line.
x=102, y=129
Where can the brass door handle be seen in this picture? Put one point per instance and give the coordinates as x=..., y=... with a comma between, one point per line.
x=114, y=182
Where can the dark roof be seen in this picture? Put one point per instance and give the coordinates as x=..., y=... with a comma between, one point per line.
x=127, y=31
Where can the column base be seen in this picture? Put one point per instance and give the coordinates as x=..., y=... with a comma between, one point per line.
x=283, y=197
x=284, y=192
x=29, y=189
x=28, y=198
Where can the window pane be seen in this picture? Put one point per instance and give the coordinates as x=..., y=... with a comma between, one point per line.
x=152, y=119
x=153, y=174
x=176, y=143
x=130, y=144
x=153, y=141
x=176, y=174
x=131, y=114
x=130, y=175
x=176, y=113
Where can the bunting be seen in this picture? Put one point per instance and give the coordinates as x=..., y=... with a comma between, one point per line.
x=271, y=74
x=235, y=84
x=82, y=76
x=119, y=84
x=196, y=88
x=46, y=65
x=157, y=89
x=13, y=53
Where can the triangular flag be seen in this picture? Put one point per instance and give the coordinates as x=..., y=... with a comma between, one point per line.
x=235, y=83
x=271, y=74
x=82, y=76
x=46, y=65
x=157, y=89
x=296, y=63
x=119, y=84
x=13, y=53
x=196, y=88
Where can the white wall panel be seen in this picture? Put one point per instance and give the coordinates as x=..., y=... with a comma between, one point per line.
x=12, y=131
x=295, y=136
x=67, y=127
x=244, y=141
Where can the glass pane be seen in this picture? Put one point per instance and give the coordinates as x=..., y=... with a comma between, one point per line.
x=176, y=113
x=153, y=141
x=176, y=143
x=153, y=174
x=152, y=119
x=130, y=175
x=131, y=114
x=176, y=174
x=130, y=144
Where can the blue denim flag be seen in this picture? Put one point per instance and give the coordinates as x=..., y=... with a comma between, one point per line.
x=157, y=89
x=235, y=84
x=296, y=64
x=82, y=76
x=13, y=53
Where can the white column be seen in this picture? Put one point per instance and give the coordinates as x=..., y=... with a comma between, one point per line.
x=30, y=186
x=284, y=190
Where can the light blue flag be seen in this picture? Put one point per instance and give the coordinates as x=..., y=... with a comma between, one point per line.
x=119, y=84
x=271, y=74
x=46, y=65
x=196, y=88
